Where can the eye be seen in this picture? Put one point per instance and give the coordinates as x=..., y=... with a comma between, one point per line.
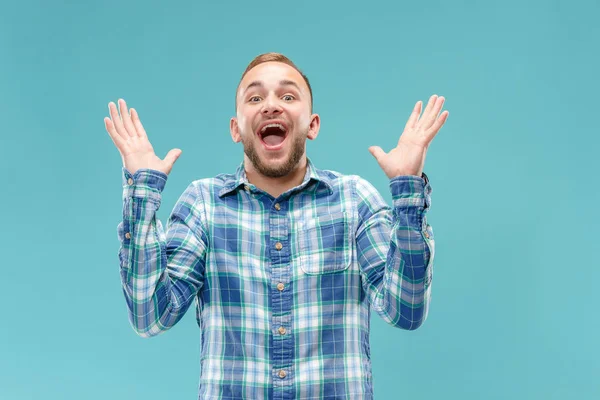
x=288, y=97
x=254, y=99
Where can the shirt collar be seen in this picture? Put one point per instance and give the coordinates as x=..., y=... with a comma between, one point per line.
x=314, y=181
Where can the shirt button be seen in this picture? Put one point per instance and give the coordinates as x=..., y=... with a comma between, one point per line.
x=246, y=188
x=426, y=235
x=277, y=206
x=280, y=286
x=278, y=246
x=128, y=235
x=130, y=181
x=282, y=374
x=281, y=330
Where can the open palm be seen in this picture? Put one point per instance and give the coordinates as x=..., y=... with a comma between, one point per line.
x=130, y=138
x=408, y=157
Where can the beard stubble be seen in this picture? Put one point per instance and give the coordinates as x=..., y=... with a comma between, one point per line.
x=276, y=171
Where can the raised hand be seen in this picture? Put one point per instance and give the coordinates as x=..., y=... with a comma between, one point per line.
x=408, y=158
x=128, y=134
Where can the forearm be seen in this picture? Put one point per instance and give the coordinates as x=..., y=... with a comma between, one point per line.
x=399, y=260
x=155, y=297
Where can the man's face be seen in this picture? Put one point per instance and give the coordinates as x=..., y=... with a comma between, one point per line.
x=273, y=118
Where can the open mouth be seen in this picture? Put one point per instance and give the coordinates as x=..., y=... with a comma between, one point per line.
x=273, y=134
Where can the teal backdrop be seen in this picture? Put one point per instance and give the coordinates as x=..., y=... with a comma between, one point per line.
x=515, y=306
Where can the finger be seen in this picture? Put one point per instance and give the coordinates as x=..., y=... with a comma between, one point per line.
x=428, y=110
x=112, y=132
x=434, y=114
x=172, y=156
x=414, y=116
x=439, y=123
x=126, y=118
x=116, y=120
x=138, y=124
x=377, y=152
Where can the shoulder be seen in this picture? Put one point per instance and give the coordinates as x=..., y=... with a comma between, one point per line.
x=355, y=182
x=212, y=185
x=336, y=178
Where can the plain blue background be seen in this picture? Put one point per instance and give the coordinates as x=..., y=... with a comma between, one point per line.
x=514, y=313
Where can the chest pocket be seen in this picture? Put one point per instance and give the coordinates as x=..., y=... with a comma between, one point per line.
x=325, y=244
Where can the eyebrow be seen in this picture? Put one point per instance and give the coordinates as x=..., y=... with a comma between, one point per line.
x=284, y=82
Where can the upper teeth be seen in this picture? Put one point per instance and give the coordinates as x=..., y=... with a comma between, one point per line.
x=272, y=126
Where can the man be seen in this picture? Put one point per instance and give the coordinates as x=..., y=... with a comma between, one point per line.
x=285, y=261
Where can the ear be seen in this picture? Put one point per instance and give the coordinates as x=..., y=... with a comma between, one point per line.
x=234, y=130
x=313, y=128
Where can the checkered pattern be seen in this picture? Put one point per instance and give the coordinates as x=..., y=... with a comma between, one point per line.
x=284, y=287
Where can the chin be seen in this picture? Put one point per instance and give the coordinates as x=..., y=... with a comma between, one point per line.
x=276, y=164
x=276, y=168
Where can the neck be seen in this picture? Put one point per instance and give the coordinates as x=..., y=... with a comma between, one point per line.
x=275, y=186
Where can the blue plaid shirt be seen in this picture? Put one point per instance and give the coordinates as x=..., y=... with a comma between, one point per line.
x=284, y=286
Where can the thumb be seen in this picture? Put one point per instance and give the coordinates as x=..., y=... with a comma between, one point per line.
x=172, y=156
x=377, y=152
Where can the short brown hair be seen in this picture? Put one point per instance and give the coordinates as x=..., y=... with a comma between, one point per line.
x=275, y=57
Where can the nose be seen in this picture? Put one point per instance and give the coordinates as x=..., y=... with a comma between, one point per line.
x=271, y=107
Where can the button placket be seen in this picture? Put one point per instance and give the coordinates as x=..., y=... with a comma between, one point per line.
x=282, y=354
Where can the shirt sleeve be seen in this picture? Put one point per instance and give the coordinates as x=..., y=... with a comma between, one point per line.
x=161, y=272
x=395, y=250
